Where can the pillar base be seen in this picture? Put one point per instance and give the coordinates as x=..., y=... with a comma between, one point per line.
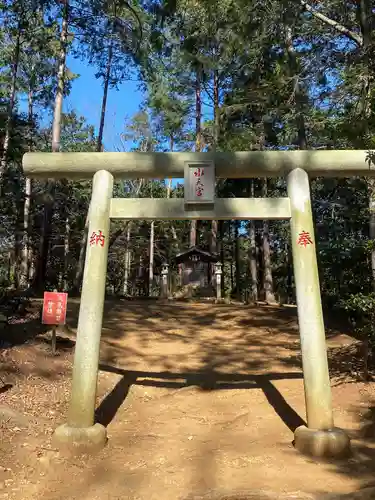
x=79, y=440
x=330, y=443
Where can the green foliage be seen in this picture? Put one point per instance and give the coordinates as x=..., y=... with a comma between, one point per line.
x=361, y=309
x=267, y=71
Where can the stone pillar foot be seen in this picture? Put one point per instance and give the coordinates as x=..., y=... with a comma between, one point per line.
x=330, y=443
x=80, y=440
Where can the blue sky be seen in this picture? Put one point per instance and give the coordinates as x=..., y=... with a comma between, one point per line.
x=86, y=99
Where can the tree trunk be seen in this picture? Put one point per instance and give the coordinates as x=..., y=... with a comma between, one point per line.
x=364, y=15
x=213, y=239
x=371, y=194
x=214, y=223
x=267, y=267
x=363, y=41
x=173, y=229
x=12, y=100
x=355, y=37
x=141, y=285
x=151, y=268
x=169, y=188
x=32, y=268
x=99, y=148
x=105, y=96
x=25, y=262
x=56, y=133
x=253, y=262
x=222, y=259
x=23, y=244
x=127, y=261
x=127, y=258
x=198, y=111
x=267, y=280
x=198, y=141
x=18, y=242
x=66, y=253
x=233, y=259
x=169, y=192
x=57, y=112
x=267, y=274
x=365, y=18
x=259, y=257
x=300, y=124
x=151, y=259
x=193, y=233
x=216, y=103
x=252, y=252
x=238, y=258
x=11, y=269
x=298, y=92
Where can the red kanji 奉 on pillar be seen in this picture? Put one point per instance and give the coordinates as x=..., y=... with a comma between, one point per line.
x=54, y=308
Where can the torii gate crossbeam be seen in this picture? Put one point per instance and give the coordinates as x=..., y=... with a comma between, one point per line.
x=240, y=165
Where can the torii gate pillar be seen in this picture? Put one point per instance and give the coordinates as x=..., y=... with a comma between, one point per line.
x=81, y=433
x=320, y=438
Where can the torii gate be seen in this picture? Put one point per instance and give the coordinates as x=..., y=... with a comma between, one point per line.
x=320, y=437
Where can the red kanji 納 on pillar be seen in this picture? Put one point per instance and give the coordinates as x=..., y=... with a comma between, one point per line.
x=54, y=308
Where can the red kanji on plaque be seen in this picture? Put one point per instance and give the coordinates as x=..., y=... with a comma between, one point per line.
x=199, y=186
x=54, y=308
x=304, y=239
x=97, y=239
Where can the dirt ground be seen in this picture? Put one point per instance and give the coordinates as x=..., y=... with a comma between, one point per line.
x=200, y=402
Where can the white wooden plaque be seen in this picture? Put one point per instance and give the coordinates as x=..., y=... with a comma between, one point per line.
x=199, y=187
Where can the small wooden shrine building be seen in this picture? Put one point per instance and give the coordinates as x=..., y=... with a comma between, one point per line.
x=195, y=267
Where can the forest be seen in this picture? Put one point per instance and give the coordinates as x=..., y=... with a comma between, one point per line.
x=233, y=75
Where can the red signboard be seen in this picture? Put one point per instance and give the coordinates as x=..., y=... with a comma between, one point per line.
x=54, y=308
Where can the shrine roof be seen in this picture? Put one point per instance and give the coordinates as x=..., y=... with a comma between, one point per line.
x=195, y=250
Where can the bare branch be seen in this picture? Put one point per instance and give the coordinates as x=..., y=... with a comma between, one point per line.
x=355, y=37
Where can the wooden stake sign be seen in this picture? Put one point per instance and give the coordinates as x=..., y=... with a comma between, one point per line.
x=199, y=184
x=54, y=308
x=54, y=312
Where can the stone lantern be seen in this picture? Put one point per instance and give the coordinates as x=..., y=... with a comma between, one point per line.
x=164, y=281
x=218, y=273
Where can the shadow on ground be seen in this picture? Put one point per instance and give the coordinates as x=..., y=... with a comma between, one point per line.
x=211, y=348
x=206, y=381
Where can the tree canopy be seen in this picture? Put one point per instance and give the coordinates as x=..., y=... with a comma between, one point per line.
x=234, y=75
